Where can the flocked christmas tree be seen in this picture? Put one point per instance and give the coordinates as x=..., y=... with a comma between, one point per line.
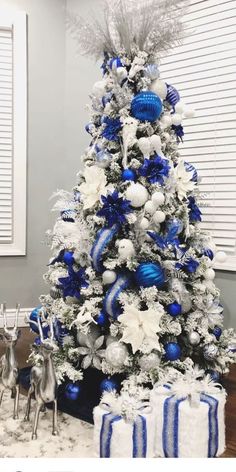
x=131, y=274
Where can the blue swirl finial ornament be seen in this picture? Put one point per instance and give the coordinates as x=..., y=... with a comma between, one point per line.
x=148, y=274
x=190, y=168
x=111, y=303
x=146, y=106
x=172, y=96
x=104, y=237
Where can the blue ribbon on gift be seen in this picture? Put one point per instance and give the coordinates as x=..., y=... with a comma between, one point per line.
x=170, y=430
x=104, y=236
x=139, y=435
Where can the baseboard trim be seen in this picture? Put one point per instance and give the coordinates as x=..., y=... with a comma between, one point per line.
x=11, y=317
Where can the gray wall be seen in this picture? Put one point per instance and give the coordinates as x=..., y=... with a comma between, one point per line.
x=60, y=81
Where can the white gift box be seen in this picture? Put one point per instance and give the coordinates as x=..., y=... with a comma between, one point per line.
x=116, y=437
x=189, y=425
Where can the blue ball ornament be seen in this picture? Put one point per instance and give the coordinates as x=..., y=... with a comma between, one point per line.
x=68, y=258
x=190, y=168
x=148, y=274
x=72, y=391
x=146, y=106
x=128, y=174
x=217, y=331
x=101, y=319
x=172, y=351
x=107, y=385
x=174, y=309
x=208, y=253
x=175, y=225
x=172, y=96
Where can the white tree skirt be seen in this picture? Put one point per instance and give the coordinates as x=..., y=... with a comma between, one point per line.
x=75, y=437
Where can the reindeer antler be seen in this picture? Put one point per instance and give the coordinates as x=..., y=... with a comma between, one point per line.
x=3, y=313
x=17, y=315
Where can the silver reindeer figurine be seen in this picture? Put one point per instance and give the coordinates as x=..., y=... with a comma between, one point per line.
x=9, y=371
x=43, y=380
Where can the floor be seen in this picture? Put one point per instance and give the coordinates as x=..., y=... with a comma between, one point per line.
x=23, y=349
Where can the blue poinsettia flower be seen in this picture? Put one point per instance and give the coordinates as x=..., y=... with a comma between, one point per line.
x=179, y=132
x=190, y=265
x=155, y=170
x=72, y=284
x=113, y=126
x=114, y=209
x=170, y=238
x=194, y=212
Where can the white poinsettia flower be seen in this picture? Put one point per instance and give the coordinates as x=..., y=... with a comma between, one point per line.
x=93, y=187
x=139, y=325
x=183, y=180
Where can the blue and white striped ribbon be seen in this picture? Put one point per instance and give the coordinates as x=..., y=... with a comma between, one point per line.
x=104, y=237
x=111, y=303
x=170, y=432
x=139, y=435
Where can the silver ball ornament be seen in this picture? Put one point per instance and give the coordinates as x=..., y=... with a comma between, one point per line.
x=210, y=352
x=109, y=277
x=149, y=361
x=116, y=354
x=194, y=338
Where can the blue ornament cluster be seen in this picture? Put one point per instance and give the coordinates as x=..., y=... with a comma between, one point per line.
x=146, y=106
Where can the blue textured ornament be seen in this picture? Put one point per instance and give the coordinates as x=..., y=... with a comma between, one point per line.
x=101, y=319
x=72, y=391
x=68, y=258
x=146, y=106
x=217, y=331
x=152, y=71
x=174, y=309
x=68, y=215
x=148, y=274
x=128, y=174
x=209, y=253
x=107, y=385
x=190, y=168
x=173, y=351
x=172, y=96
x=114, y=63
x=103, y=159
x=34, y=316
x=215, y=376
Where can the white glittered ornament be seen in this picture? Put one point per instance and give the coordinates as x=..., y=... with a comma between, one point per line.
x=158, y=199
x=144, y=223
x=159, y=87
x=220, y=256
x=125, y=248
x=155, y=143
x=189, y=112
x=149, y=207
x=194, y=338
x=186, y=302
x=121, y=73
x=179, y=107
x=209, y=274
x=176, y=119
x=137, y=194
x=116, y=354
x=159, y=216
x=149, y=361
x=109, y=277
x=145, y=147
x=99, y=88
x=166, y=121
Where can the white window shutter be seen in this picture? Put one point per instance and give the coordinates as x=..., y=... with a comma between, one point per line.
x=13, y=130
x=203, y=69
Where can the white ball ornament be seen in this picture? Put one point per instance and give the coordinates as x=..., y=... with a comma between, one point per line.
x=121, y=73
x=144, y=223
x=159, y=216
x=166, y=137
x=125, y=249
x=137, y=194
x=116, y=354
x=189, y=112
x=179, y=107
x=109, y=277
x=99, y=88
x=220, y=256
x=155, y=143
x=194, y=338
x=158, y=199
x=149, y=361
x=209, y=274
x=166, y=121
x=176, y=119
x=149, y=207
x=144, y=145
x=159, y=87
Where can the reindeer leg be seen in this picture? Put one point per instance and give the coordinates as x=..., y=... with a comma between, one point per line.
x=28, y=407
x=36, y=420
x=1, y=396
x=16, y=403
x=54, y=426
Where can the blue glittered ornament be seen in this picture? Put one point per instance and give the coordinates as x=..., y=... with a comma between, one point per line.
x=148, y=274
x=114, y=63
x=128, y=174
x=174, y=309
x=68, y=258
x=101, y=319
x=217, y=331
x=208, y=253
x=34, y=316
x=107, y=385
x=72, y=391
x=172, y=351
x=152, y=71
x=190, y=168
x=172, y=96
x=146, y=106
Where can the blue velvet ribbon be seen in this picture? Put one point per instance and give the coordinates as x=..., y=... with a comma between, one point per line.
x=139, y=435
x=111, y=304
x=104, y=237
x=170, y=432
